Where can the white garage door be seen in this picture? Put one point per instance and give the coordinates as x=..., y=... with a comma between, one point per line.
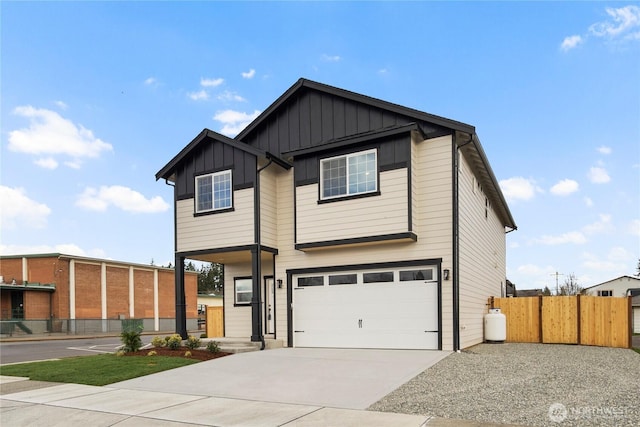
x=636, y=320
x=394, y=308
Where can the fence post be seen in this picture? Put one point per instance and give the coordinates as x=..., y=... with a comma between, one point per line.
x=491, y=302
x=540, y=329
x=630, y=321
x=579, y=319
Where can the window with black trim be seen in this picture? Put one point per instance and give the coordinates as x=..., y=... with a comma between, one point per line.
x=382, y=277
x=607, y=293
x=243, y=290
x=311, y=281
x=421, y=274
x=349, y=175
x=213, y=191
x=343, y=279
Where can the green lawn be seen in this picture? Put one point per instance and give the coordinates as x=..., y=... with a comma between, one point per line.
x=95, y=370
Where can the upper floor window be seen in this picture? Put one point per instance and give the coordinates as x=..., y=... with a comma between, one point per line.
x=607, y=293
x=213, y=191
x=349, y=175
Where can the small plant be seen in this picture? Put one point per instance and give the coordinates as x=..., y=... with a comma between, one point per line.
x=152, y=353
x=203, y=335
x=131, y=340
x=192, y=342
x=119, y=353
x=187, y=353
x=158, y=342
x=213, y=347
x=174, y=342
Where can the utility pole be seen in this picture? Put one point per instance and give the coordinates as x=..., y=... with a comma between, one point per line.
x=557, y=274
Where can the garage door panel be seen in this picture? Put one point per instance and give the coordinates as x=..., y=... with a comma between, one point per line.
x=400, y=314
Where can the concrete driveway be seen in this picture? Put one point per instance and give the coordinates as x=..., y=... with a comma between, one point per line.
x=338, y=378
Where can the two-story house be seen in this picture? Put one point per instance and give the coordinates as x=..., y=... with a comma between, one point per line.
x=344, y=221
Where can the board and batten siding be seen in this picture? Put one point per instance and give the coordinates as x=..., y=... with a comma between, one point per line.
x=361, y=217
x=218, y=230
x=431, y=216
x=482, y=255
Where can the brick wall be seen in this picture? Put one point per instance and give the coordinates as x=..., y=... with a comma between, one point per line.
x=143, y=294
x=88, y=299
x=166, y=294
x=11, y=269
x=36, y=305
x=117, y=292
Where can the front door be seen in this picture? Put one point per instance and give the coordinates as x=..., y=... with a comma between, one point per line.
x=269, y=306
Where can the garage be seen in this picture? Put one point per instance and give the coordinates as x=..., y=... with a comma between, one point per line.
x=373, y=308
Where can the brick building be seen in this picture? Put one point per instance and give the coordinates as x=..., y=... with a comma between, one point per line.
x=66, y=293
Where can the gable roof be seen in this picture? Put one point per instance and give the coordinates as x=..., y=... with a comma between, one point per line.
x=206, y=135
x=617, y=278
x=357, y=97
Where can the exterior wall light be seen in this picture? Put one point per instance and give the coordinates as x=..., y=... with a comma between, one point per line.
x=279, y=281
x=445, y=274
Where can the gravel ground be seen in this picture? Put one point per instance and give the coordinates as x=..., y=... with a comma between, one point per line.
x=527, y=384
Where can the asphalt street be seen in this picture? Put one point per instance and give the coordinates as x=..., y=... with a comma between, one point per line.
x=28, y=351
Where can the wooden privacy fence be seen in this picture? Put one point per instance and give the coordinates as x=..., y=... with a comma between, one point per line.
x=579, y=319
x=215, y=322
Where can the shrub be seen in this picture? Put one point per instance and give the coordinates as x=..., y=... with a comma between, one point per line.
x=151, y=353
x=213, y=347
x=203, y=335
x=192, y=342
x=131, y=340
x=174, y=341
x=119, y=353
x=187, y=353
x=158, y=342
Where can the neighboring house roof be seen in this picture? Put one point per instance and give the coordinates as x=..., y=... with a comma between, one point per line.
x=636, y=279
x=528, y=292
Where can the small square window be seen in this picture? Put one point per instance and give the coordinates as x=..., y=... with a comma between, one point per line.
x=607, y=293
x=214, y=191
x=411, y=275
x=243, y=291
x=386, y=276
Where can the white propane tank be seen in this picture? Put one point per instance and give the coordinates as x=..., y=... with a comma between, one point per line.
x=495, y=326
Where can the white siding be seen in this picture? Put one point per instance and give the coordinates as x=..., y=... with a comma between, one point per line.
x=619, y=286
x=237, y=320
x=268, y=197
x=482, y=256
x=362, y=217
x=636, y=320
x=219, y=230
x=432, y=219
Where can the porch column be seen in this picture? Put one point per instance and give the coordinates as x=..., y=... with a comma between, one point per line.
x=256, y=317
x=181, y=306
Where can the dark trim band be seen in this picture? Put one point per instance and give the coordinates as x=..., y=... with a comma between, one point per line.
x=357, y=240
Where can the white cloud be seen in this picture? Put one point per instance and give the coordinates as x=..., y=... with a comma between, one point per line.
x=18, y=210
x=634, y=227
x=383, y=71
x=531, y=270
x=601, y=226
x=624, y=22
x=64, y=248
x=565, y=187
x=598, y=175
x=47, y=163
x=574, y=237
x=603, y=149
x=51, y=134
x=234, y=121
x=151, y=81
x=249, y=74
x=121, y=197
x=199, y=95
x=330, y=58
x=211, y=82
x=230, y=96
x=61, y=104
x=608, y=264
x=588, y=202
x=518, y=188
x=570, y=42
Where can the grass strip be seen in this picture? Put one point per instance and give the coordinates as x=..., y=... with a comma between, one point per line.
x=94, y=370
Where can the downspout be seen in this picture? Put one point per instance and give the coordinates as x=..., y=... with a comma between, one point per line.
x=258, y=240
x=456, y=241
x=180, y=297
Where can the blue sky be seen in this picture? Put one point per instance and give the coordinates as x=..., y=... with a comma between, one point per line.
x=97, y=97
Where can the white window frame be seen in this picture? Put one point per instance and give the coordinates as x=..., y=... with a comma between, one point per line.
x=213, y=198
x=608, y=292
x=244, y=281
x=347, y=157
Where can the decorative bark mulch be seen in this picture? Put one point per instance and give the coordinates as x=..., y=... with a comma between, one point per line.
x=164, y=351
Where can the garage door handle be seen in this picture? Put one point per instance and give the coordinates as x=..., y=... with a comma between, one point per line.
x=360, y=323
x=431, y=331
x=298, y=331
